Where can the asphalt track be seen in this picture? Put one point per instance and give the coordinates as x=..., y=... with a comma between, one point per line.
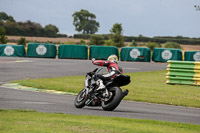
x=21, y=68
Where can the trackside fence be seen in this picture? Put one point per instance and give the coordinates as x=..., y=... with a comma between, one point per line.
x=165, y=54
x=41, y=50
x=12, y=50
x=183, y=72
x=73, y=52
x=192, y=55
x=102, y=52
x=135, y=54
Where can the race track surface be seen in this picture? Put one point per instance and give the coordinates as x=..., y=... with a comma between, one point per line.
x=20, y=68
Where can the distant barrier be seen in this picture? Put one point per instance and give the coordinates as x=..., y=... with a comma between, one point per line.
x=103, y=52
x=165, y=54
x=41, y=50
x=135, y=54
x=192, y=56
x=66, y=51
x=73, y=52
x=183, y=72
x=12, y=50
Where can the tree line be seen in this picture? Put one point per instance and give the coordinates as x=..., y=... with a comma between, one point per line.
x=141, y=38
x=27, y=28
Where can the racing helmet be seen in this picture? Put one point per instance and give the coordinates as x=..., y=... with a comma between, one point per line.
x=113, y=58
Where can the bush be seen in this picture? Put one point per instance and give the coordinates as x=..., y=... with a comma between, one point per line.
x=133, y=43
x=152, y=45
x=70, y=42
x=3, y=38
x=82, y=36
x=22, y=41
x=96, y=40
x=172, y=45
x=82, y=41
x=109, y=43
x=117, y=39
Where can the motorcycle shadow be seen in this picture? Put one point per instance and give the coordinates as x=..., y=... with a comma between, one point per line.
x=99, y=109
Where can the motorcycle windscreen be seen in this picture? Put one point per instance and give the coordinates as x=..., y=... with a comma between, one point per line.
x=122, y=80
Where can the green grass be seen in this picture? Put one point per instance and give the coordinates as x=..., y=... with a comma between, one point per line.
x=24, y=121
x=145, y=87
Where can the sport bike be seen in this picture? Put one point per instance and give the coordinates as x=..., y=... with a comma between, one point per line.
x=108, y=98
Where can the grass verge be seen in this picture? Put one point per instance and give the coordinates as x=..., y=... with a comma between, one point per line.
x=145, y=87
x=20, y=121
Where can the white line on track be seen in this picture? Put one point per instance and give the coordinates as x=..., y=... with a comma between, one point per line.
x=37, y=103
x=132, y=68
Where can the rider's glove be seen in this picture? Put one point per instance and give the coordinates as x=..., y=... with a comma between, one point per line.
x=93, y=59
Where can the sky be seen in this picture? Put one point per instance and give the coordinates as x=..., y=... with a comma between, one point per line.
x=138, y=17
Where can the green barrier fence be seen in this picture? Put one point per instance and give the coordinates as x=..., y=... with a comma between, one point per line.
x=103, y=52
x=183, y=72
x=165, y=54
x=41, y=50
x=12, y=50
x=135, y=54
x=192, y=56
x=73, y=51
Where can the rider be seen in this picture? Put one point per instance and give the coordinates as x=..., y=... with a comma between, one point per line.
x=113, y=69
x=112, y=66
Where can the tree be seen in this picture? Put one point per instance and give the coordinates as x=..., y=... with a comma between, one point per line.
x=172, y=45
x=5, y=17
x=152, y=45
x=51, y=27
x=22, y=41
x=97, y=40
x=11, y=28
x=51, y=30
x=3, y=38
x=29, y=28
x=85, y=22
x=109, y=42
x=134, y=43
x=116, y=29
x=197, y=7
x=116, y=35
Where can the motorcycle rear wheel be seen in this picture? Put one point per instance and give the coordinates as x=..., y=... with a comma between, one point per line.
x=80, y=99
x=114, y=101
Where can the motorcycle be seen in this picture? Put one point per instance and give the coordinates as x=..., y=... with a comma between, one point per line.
x=108, y=98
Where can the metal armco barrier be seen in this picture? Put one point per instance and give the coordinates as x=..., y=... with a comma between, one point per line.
x=183, y=72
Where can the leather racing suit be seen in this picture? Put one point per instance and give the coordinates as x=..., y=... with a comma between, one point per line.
x=113, y=69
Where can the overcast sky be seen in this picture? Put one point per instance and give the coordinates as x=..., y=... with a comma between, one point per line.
x=146, y=17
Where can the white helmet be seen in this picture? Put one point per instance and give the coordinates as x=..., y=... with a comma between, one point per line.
x=113, y=58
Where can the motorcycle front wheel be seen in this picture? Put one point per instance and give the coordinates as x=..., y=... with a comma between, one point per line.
x=80, y=99
x=114, y=100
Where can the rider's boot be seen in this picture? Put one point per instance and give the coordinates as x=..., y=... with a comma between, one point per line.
x=101, y=85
